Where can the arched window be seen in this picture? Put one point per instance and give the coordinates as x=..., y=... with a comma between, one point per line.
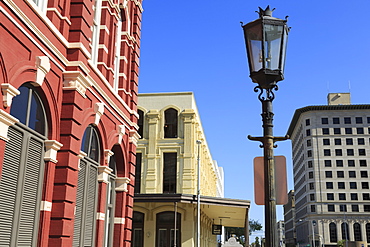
x=345, y=231
x=170, y=126
x=27, y=107
x=166, y=233
x=368, y=232
x=333, y=232
x=138, y=229
x=23, y=171
x=140, y=123
x=357, y=232
x=84, y=225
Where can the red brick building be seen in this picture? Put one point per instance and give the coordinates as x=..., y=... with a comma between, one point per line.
x=68, y=132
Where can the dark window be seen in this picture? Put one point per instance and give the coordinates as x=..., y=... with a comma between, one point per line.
x=365, y=185
x=363, y=174
x=351, y=163
x=342, y=196
x=365, y=196
x=336, y=120
x=331, y=208
x=170, y=126
x=343, y=208
x=309, y=164
x=347, y=120
x=345, y=232
x=358, y=120
x=326, y=141
x=348, y=131
x=313, y=208
x=366, y=208
x=337, y=131
x=361, y=141
x=140, y=123
x=308, y=132
x=169, y=172
x=350, y=152
x=338, y=152
x=309, y=153
x=327, y=163
x=337, y=141
x=165, y=229
x=352, y=174
x=90, y=143
x=328, y=174
x=326, y=152
x=362, y=152
x=354, y=196
x=341, y=185
x=310, y=175
x=360, y=131
x=357, y=230
x=333, y=232
x=324, y=120
x=329, y=185
x=312, y=197
x=368, y=224
x=330, y=196
x=325, y=131
x=349, y=141
x=355, y=208
x=368, y=121
x=340, y=174
x=138, y=173
x=312, y=186
x=352, y=185
x=307, y=122
x=363, y=163
x=309, y=144
x=339, y=163
x=138, y=230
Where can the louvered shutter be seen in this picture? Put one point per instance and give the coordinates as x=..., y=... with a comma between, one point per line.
x=79, y=203
x=8, y=184
x=27, y=231
x=90, y=205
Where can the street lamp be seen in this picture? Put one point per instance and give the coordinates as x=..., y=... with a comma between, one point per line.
x=266, y=40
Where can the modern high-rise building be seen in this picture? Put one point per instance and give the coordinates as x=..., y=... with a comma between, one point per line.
x=68, y=121
x=281, y=232
x=331, y=159
x=171, y=148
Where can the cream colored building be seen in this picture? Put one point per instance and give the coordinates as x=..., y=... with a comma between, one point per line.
x=167, y=177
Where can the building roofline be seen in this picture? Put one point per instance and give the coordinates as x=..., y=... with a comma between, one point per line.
x=302, y=110
x=166, y=93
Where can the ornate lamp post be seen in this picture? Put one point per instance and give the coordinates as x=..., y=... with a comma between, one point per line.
x=266, y=40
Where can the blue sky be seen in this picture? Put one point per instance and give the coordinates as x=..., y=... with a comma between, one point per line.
x=198, y=46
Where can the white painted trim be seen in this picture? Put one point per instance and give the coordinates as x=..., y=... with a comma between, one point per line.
x=51, y=149
x=118, y=220
x=103, y=174
x=46, y=206
x=8, y=93
x=100, y=216
x=6, y=120
x=121, y=184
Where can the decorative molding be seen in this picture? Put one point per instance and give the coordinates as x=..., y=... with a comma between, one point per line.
x=81, y=155
x=6, y=120
x=52, y=147
x=46, y=206
x=134, y=137
x=107, y=154
x=100, y=216
x=118, y=220
x=121, y=133
x=75, y=80
x=121, y=183
x=42, y=68
x=103, y=174
x=99, y=111
x=8, y=93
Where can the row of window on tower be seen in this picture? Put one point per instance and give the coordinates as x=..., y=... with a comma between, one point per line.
x=337, y=120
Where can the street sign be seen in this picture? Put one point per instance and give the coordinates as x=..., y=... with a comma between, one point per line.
x=280, y=180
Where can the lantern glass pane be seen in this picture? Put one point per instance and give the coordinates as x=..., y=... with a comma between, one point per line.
x=273, y=38
x=254, y=42
x=283, y=47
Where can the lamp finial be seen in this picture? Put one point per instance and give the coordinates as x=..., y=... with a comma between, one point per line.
x=266, y=12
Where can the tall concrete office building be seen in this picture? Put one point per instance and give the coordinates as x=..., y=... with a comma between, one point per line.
x=331, y=162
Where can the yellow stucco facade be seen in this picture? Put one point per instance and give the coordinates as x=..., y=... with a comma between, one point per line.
x=171, y=186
